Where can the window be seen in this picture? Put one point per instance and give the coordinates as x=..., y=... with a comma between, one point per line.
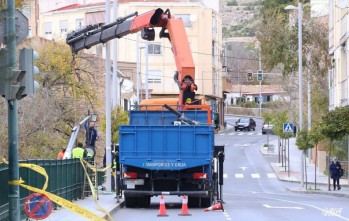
x=154, y=77
x=48, y=28
x=185, y=18
x=154, y=48
x=214, y=26
x=92, y=18
x=79, y=23
x=63, y=26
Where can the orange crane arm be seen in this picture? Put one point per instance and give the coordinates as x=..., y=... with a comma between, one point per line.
x=172, y=28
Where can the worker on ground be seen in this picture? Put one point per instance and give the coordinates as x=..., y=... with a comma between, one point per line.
x=115, y=167
x=60, y=155
x=79, y=152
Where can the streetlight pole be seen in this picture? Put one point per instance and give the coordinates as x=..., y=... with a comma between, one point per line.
x=138, y=68
x=146, y=71
x=107, y=102
x=260, y=82
x=300, y=89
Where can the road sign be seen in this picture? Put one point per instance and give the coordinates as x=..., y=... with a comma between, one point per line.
x=38, y=206
x=260, y=99
x=288, y=127
x=22, y=28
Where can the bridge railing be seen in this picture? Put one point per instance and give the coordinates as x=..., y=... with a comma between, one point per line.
x=66, y=179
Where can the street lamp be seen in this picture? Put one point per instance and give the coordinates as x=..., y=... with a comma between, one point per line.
x=300, y=13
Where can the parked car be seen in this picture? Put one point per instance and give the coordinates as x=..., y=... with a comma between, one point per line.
x=267, y=128
x=245, y=123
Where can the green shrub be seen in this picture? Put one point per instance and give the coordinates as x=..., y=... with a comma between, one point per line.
x=232, y=3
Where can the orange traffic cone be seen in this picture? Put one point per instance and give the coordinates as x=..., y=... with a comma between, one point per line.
x=162, y=210
x=217, y=206
x=185, y=211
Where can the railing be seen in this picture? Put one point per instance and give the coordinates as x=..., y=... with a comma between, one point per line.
x=66, y=179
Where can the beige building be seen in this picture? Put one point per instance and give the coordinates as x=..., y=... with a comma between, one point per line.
x=203, y=27
x=339, y=52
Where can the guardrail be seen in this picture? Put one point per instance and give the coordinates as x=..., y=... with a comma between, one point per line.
x=66, y=179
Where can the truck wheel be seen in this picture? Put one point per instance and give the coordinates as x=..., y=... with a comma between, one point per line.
x=206, y=202
x=193, y=202
x=143, y=202
x=130, y=202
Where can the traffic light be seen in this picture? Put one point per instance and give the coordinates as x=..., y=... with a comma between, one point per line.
x=27, y=56
x=11, y=86
x=249, y=76
x=260, y=75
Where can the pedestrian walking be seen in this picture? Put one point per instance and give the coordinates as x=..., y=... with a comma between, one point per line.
x=335, y=172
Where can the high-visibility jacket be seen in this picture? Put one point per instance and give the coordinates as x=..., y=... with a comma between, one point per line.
x=78, y=152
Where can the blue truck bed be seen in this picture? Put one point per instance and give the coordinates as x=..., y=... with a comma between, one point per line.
x=166, y=147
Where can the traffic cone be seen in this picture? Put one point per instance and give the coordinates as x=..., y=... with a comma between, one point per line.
x=162, y=210
x=217, y=206
x=185, y=211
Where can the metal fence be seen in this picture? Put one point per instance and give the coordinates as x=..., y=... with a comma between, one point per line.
x=66, y=179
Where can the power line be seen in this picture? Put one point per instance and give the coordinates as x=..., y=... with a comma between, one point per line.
x=201, y=53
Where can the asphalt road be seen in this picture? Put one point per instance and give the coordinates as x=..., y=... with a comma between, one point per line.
x=251, y=190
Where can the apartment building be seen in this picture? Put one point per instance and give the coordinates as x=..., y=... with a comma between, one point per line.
x=203, y=27
x=339, y=52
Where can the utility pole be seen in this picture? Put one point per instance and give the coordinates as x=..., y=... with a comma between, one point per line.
x=146, y=71
x=107, y=102
x=116, y=96
x=260, y=78
x=14, y=211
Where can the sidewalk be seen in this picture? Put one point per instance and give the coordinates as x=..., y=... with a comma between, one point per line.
x=294, y=174
x=106, y=200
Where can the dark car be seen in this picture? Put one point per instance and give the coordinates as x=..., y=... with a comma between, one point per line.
x=245, y=123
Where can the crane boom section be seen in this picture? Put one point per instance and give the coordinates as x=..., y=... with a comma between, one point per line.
x=181, y=49
x=171, y=28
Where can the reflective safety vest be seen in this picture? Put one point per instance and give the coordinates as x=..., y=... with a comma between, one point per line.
x=78, y=152
x=114, y=159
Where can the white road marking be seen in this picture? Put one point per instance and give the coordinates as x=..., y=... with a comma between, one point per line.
x=232, y=134
x=282, y=207
x=294, y=202
x=225, y=175
x=271, y=175
x=255, y=175
x=250, y=133
x=239, y=134
x=239, y=175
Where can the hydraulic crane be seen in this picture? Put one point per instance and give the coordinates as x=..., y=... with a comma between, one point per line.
x=171, y=28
